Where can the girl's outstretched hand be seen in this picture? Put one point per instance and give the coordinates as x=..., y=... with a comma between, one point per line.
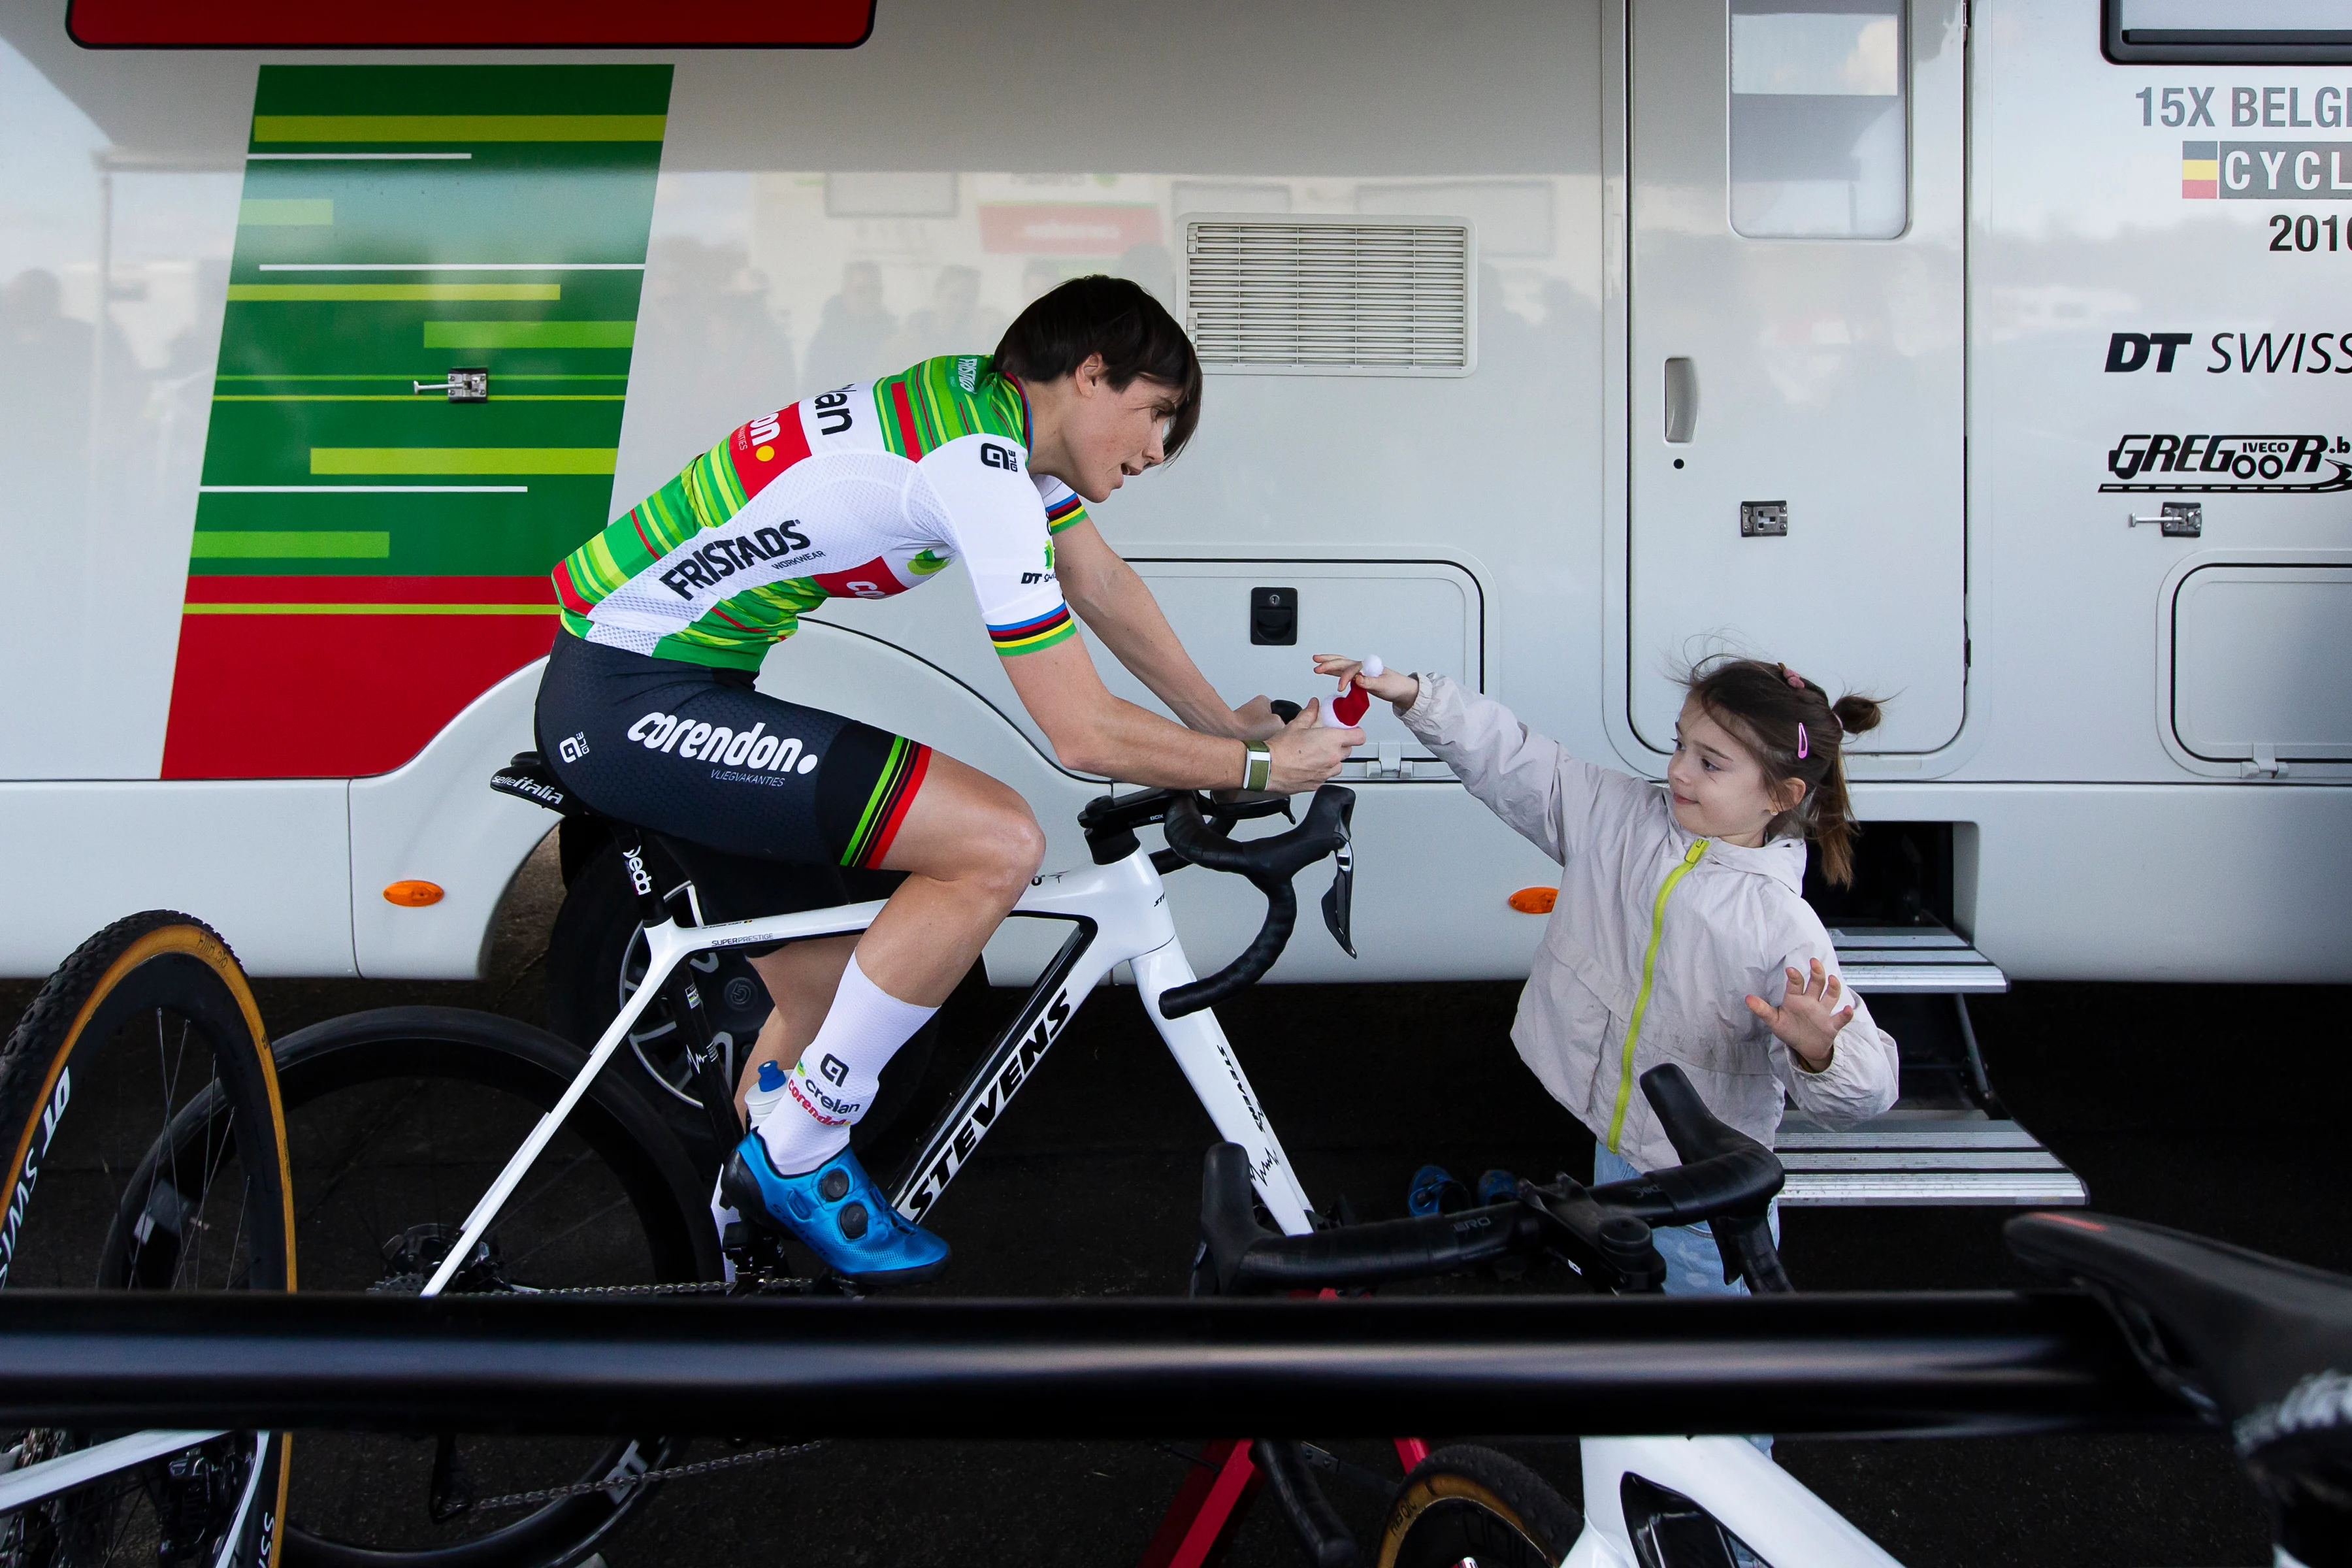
x=1808, y=1019
x=1390, y=687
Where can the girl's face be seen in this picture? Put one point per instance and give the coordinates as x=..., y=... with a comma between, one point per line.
x=1719, y=789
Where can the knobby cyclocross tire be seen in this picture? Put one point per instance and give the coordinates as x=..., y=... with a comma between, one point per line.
x=1471, y=1502
x=399, y=1118
x=146, y=1150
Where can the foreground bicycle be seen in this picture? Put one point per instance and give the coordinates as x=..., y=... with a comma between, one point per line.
x=1463, y=1503
x=2243, y=1340
x=442, y=1150
x=146, y=1152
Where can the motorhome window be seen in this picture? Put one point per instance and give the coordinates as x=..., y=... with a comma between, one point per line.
x=1820, y=138
x=2226, y=32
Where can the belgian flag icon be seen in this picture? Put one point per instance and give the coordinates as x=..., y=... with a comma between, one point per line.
x=2200, y=170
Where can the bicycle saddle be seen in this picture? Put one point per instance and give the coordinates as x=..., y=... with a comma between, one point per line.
x=2263, y=1345
x=529, y=778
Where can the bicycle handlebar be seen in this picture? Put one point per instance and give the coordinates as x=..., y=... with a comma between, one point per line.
x=1604, y=1230
x=1269, y=864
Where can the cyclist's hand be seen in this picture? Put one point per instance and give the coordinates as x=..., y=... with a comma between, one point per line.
x=1255, y=720
x=1392, y=687
x=1306, y=754
x=1808, y=1019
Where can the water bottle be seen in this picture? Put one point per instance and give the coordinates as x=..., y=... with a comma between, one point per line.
x=765, y=1093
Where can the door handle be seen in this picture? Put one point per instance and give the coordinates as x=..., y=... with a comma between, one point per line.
x=1682, y=399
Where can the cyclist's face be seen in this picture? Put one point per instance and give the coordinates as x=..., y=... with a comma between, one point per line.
x=1113, y=434
x=1719, y=788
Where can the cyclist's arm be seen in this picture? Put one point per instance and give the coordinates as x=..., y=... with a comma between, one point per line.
x=991, y=514
x=1117, y=606
x=1094, y=731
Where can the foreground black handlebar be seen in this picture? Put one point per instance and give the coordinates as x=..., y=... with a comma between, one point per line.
x=1726, y=1179
x=1730, y=1182
x=1269, y=864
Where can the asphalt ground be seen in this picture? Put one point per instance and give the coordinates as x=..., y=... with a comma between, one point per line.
x=2214, y=1109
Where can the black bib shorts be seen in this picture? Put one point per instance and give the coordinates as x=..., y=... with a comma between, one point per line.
x=769, y=806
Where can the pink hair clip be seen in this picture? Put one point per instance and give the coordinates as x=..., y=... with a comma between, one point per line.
x=1804, y=741
x=1794, y=679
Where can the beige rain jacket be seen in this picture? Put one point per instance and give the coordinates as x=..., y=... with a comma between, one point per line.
x=1654, y=943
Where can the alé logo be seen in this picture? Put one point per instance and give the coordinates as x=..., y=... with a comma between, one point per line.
x=30, y=1171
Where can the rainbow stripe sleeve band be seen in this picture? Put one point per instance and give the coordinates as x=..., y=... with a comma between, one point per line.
x=1028, y=636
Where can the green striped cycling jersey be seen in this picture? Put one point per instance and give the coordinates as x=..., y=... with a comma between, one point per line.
x=864, y=491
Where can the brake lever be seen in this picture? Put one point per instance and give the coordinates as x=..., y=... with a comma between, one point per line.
x=1339, y=899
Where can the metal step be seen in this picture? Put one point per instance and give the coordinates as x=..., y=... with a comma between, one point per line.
x=1923, y=1156
x=1948, y=1141
x=1879, y=960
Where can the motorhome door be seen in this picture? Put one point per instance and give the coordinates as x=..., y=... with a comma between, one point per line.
x=1796, y=367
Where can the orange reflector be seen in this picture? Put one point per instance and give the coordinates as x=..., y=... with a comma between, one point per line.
x=413, y=895
x=1526, y=900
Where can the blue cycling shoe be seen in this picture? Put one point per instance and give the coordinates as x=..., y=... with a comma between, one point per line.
x=1497, y=1187
x=1434, y=1191
x=838, y=1211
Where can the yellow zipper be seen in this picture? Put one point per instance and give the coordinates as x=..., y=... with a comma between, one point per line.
x=1642, y=998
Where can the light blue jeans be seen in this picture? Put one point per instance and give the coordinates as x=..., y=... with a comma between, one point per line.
x=1694, y=1264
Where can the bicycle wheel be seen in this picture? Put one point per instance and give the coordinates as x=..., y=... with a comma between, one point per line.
x=398, y=1120
x=1471, y=1503
x=146, y=1152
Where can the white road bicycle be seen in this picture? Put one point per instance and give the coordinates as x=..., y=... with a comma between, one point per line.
x=1117, y=912
x=442, y=1150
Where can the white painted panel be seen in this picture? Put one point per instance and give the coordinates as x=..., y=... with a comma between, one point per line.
x=265, y=863
x=102, y=416
x=2221, y=882
x=436, y=819
x=2259, y=660
x=1419, y=615
x=1828, y=377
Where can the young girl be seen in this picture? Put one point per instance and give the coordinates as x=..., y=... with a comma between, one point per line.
x=1679, y=934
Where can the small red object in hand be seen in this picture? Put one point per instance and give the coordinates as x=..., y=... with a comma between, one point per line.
x=1345, y=711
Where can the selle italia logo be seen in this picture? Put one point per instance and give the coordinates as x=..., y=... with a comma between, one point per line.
x=2266, y=171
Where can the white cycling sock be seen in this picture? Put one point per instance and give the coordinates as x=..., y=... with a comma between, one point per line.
x=833, y=1086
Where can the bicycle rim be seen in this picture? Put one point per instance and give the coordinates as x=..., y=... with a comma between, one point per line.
x=398, y=1120
x=1472, y=1504
x=146, y=1151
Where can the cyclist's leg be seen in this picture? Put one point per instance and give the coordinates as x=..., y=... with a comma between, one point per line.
x=801, y=980
x=969, y=846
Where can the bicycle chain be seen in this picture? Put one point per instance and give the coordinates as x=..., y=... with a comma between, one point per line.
x=645, y=1478
x=412, y=1284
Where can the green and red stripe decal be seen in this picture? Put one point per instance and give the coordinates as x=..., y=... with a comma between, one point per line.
x=886, y=808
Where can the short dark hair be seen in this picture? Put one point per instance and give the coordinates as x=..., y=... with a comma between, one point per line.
x=1117, y=320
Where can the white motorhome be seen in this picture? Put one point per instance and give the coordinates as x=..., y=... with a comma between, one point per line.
x=1988, y=357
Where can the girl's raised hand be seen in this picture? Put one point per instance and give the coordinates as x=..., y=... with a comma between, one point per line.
x=1808, y=1019
x=1389, y=686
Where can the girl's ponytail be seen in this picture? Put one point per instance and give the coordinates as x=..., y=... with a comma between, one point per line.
x=1796, y=732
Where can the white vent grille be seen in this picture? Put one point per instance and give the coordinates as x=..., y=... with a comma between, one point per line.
x=1332, y=297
